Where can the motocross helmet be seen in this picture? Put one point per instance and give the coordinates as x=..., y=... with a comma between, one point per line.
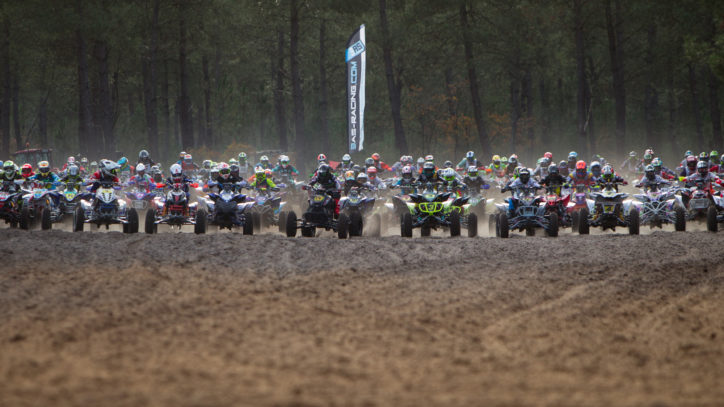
x=176, y=170
x=234, y=169
x=524, y=175
x=71, y=160
x=143, y=155
x=428, y=169
x=233, y=161
x=704, y=156
x=649, y=151
x=496, y=160
x=691, y=162
x=648, y=158
x=224, y=171
x=242, y=157
x=284, y=161
x=581, y=168
x=73, y=170
x=548, y=155
x=545, y=162
x=656, y=164
x=107, y=167
x=26, y=171
x=9, y=168
x=420, y=162
x=650, y=172
x=362, y=178
x=372, y=172
x=264, y=160
x=259, y=174
x=323, y=170
x=470, y=155
x=321, y=158
x=349, y=175
x=572, y=156
x=181, y=155
x=632, y=154
x=607, y=173
x=357, y=169
x=376, y=156
x=513, y=160
x=206, y=164
x=43, y=167
x=83, y=161
x=553, y=169
x=140, y=169
x=702, y=168
x=346, y=158
x=563, y=164
x=123, y=162
x=93, y=166
x=448, y=174
x=369, y=162
x=472, y=171
x=406, y=172
x=504, y=160
x=447, y=164
x=596, y=169
x=714, y=157
x=188, y=159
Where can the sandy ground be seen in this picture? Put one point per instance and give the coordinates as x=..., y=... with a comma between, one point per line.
x=106, y=319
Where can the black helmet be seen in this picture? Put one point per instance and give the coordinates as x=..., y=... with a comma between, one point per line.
x=448, y=164
x=553, y=169
x=323, y=169
x=650, y=172
x=524, y=175
x=369, y=162
x=143, y=155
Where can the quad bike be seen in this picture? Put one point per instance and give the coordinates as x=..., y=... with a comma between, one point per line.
x=432, y=210
x=354, y=208
x=712, y=222
x=319, y=214
x=10, y=203
x=659, y=206
x=268, y=209
x=556, y=201
x=139, y=199
x=525, y=211
x=228, y=209
x=701, y=205
x=105, y=209
x=608, y=209
x=40, y=203
x=70, y=198
x=175, y=211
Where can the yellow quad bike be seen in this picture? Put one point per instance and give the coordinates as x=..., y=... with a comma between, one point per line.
x=432, y=210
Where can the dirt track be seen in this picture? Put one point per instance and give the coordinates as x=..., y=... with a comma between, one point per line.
x=182, y=320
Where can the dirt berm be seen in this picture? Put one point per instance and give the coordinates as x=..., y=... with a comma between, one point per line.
x=106, y=319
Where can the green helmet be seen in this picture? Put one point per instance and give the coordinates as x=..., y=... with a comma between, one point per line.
x=449, y=174
x=656, y=162
x=504, y=160
x=233, y=161
x=714, y=156
x=242, y=156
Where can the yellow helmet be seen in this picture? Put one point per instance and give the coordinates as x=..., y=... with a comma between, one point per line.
x=496, y=157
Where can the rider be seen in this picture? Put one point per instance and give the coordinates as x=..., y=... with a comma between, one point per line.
x=564, y=169
x=702, y=175
x=495, y=166
x=512, y=165
x=609, y=176
x=244, y=166
x=450, y=181
x=125, y=168
x=572, y=159
x=469, y=161
x=714, y=162
x=261, y=181
x=596, y=171
x=662, y=171
x=630, y=163
x=328, y=182
x=44, y=175
x=473, y=181
x=178, y=177
x=380, y=165
x=554, y=180
x=142, y=180
x=581, y=176
x=263, y=163
x=156, y=174
x=541, y=170
x=26, y=171
x=648, y=157
x=145, y=159
x=524, y=180
x=107, y=173
x=428, y=173
x=10, y=172
x=690, y=168
x=72, y=176
x=350, y=181
x=373, y=180
x=407, y=180
x=345, y=165
x=188, y=165
x=650, y=180
x=285, y=171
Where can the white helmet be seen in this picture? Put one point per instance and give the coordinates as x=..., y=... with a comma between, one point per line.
x=176, y=170
x=140, y=168
x=109, y=167
x=346, y=158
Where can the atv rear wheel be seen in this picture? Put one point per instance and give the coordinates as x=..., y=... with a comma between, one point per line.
x=711, y=223
x=149, y=224
x=343, y=226
x=634, y=221
x=406, y=225
x=503, y=228
x=290, y=222
x=132, y=221
x=472, y=225
x=575, y=217
x=78, y=219
x=45, y=222
x=679, y=219
x=552, y=225
x=200, y=225
x=248, y=228
x=282, y=223
x=583, y=227
x=25, y=217
x=455, y=223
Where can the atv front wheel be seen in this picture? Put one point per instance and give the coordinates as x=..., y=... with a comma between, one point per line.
x=406, y=225
x=290, y=227
x=132, y=221
x=472, y=225
x=552, y=225
x=25, y=217
x=45, y=222
x=78, y=220
x=711, y=223
x=503, y=228
x=149, y=224
x=679, y=219
x=355, y=224
x=455, y=223
x=343, y=226
x=634, y=222
x=200, y=225
x=248, y=228
x=583, y=227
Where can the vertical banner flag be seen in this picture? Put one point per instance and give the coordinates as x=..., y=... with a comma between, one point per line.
x=356, y=60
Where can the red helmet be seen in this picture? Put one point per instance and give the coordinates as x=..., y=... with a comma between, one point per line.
x=26, y=170
x=548, y=155
x=691, y=161
x=581, y=165
x=321, y=157
x=372, y=171
x=376, y=156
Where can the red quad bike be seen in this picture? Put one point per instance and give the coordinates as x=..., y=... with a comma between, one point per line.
x=175, y=210
x=558, y=204
x=700, y=205
x=577, y=201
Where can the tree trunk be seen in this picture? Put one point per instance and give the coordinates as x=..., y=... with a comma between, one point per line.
x=185, y=112
x=651, y=95
x=16, y=112
x=514, y=112
x=323, y=115
x=451, y=110
x=473, y=80
x=279, y=109
x=695, y=107
x=149, y=83
x=582, y=82
x=5, y=107
x=592, y=84
x=714, y=109
x=85, y=119
x=615, y=48
x=300, y=141
x=166, y=114
x=209, y=139
x=43, y=123
x=545, y=123
x=394, y=86
x=527, y=99
x=104, y=109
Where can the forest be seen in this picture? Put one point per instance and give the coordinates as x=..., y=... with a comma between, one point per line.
x=215, y=77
